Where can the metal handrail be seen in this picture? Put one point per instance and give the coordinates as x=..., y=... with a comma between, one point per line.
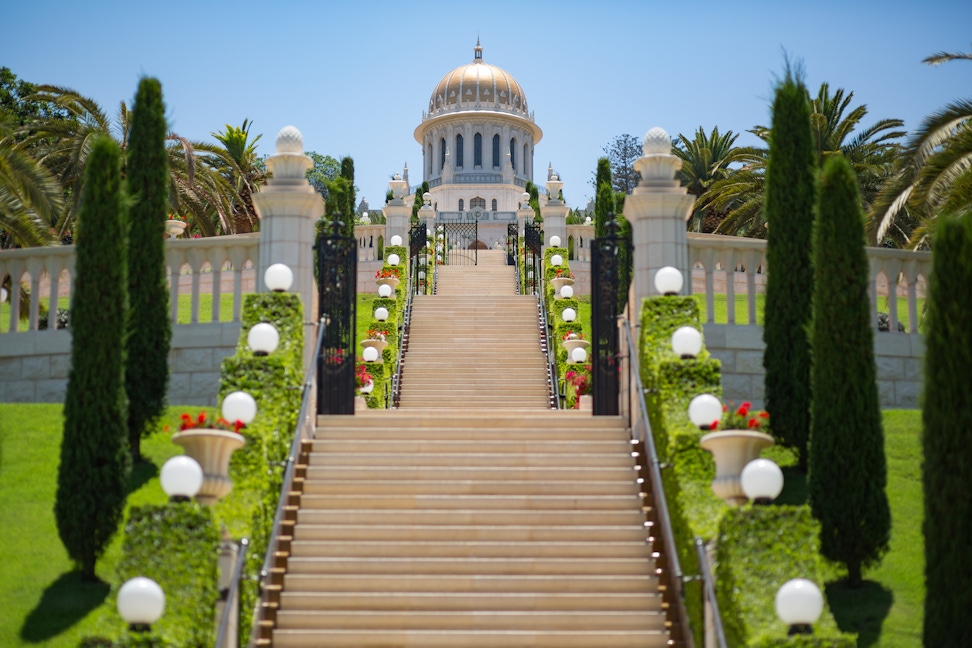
x=708, y=584
x=403, y=331
x=551, y=353
x=657, y=488
x=303, y=425
x=233, y=588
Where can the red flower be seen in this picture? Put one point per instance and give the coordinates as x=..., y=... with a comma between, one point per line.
x=744, y=409
x=753, y=423
x=714, y=426
x=763, y=414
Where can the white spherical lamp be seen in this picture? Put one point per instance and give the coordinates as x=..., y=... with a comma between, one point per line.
x=762, y=481
x=687, y=342
x=569, y=315
x=181, y=478
x=263, y=338
x=705, y=410
x=396, y=240
x=587, y=221
x=668, y=280
x=140, y=602
x=370, y=354
x=381, y=314
x=555, y=241
x=421, y=274
x=239, y=406
x=556, y=260
x=278, y=277
x=393, y=259
x=428, y=232
x=799, y=603
x=384, y=290
x=566, y=292
x=368, y=387
x=530, y=274
x=579, y=354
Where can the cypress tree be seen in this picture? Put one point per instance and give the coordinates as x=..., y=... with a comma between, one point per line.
x=149, y=328
x=789, y=203
x=848, y=469
x=947, y=437
x=603, y=197
x=93, y=473
x=347, y=172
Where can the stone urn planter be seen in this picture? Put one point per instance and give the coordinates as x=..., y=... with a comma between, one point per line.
x=212, y=450
x=576, y=343
x=174, y=227
x=388, y=281
x=586, y=403
x=732, y=450
x=560, y=282
x=378, y=344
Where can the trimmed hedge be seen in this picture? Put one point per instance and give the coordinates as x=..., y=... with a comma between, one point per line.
x=759, y=549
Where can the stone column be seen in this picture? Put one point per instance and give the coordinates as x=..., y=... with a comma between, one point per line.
x=554, y=213
x=288, y=207
x=426, y=213
x=397, y=213
x=525, y=213
x=658, y=209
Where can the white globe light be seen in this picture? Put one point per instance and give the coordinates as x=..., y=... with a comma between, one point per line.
x=554, y=241
x=704, y=410
x=384, y=290
x=181, y=476
x=367, y=388
x=668, y=281
x=263, y=338
x=530, y=275
x=370, y=354
x=140, y=601
x=587, y=221
x=799, y=602
x=687, y=342
x=3, y=295
x=556, y=260
x=438, y=257
x=569, y=315
x=567, y=292
x=396, y=240
x=428, y=232
x=393, y=259
x=421, y=274
x=278, y=277
x=525, y=198
x=579, y=354
x=762, y=479
x=381, y=313
x=239, y=406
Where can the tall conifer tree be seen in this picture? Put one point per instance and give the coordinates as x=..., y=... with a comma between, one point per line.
x=848, y=469
x=149, y=328
x=947, y=438
x=789, y=207
x=93, y=474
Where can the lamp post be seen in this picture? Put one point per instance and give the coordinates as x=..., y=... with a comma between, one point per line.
x=278, y=277
x=569, y=315
x=370, y=354
x=799, y=604
x=705, y=411
x=381, y=314
x=394, y=259
x=181, y=478
x=668, y=281
x=555, y=242
x=384, y=290
x=239, y=406
x=396, y=240
x=762, y=481
x=687, y=342
x=567, y=292
x=263, y=338
x=140, y=603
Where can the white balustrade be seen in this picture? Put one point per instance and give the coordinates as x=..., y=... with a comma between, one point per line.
x=582, y=236
x=368, y=236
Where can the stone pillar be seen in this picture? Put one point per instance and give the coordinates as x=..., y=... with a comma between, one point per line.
x=658, y=209
x=288, y=207
x=525, y=213
x=426, y=213
x=229, y=550
x=397, y=213
x=554, y=213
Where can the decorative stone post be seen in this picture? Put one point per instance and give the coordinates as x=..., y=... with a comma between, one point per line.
x=525, y=213
x=288, y=207
x=426, y=213
x=658, y=209
x=554, y=213
x=396, y=212
x=229, y=550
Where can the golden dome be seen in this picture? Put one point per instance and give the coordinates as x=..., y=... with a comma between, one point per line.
x=478, y=85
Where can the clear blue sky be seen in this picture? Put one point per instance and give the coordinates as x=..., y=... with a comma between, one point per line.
x=355, y=76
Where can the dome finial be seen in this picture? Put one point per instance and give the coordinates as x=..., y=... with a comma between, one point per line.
x=478, y=51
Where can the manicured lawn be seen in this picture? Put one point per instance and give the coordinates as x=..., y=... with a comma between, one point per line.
x=43, y=601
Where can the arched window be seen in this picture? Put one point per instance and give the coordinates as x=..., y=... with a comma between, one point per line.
x=494, y=204
x=428, y=164
x=462, y=205
x=441, y=153
x=525, y=158
x=478, y=150
x=496, y=161
x=458, y=151
x=513, y=153
x=477, y=202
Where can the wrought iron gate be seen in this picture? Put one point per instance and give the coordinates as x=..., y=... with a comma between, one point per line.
x=512, y=244
x=455, y=243
x=337, y=263
x=418, y=238
x=533, y=254
x=605, y=378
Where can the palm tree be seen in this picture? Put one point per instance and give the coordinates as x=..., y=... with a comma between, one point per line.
x=705, y=160
x=833, y=123
x=932, y=176
x=30, y=197
x=240, y=165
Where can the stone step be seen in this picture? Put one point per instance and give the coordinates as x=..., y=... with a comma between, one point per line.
x=539, y=434
x=492, y=517
x=469, y=639
x=473, y=566
x=466, y=532
x=471, y=502
x=480, y=447
x=394, y=460
x=588, y=584
x=472, y=549
x=294, y=598
x=482, y=419
x=491, y=473
x=332, y=487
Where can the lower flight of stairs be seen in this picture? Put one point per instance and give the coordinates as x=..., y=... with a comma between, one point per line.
x=467, y=528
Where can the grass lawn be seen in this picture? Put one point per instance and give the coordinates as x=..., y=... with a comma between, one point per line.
x=43, y=601
x=888, y=611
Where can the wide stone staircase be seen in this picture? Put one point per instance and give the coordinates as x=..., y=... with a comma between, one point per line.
x=473, y=516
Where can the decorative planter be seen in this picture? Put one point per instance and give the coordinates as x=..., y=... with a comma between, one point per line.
x=560, y=282
x=174, y=227
x=586, y=403
x=388, y=281
x=732, y=450
x=378, y=344
x=367, y=388
x=570, y=345
x=212, y=450
x=360, y=404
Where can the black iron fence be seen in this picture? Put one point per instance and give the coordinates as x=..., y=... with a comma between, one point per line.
x=337, y=260
x=605, y=379
x=418, y=238
x=532, y=258
x=457, y=243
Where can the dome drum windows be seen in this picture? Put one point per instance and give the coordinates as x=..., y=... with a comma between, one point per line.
x=478, y=150
x=494, y=205
x=459, y=152
x=477, y=203
x=496, y=151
